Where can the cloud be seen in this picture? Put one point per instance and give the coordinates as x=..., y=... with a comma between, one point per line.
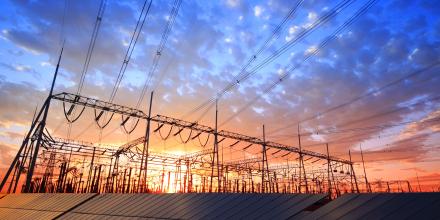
x=233, y=3
x=7, y=152
x=258, y=10
x=312, y=16
x=20, y=68
x=11, y=135
x=18, y=102
x=195, y=65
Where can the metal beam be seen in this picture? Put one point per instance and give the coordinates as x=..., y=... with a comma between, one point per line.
x=160, y=119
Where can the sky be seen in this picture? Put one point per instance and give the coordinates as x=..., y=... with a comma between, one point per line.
x=374, y=84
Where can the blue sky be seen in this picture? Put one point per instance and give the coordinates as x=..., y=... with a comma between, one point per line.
x=209, y=44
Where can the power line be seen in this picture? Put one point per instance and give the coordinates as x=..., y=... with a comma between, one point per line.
x=134, y=38
x=322, y=20
x=89, y=52
x=267, y=43
x=324, y=43
x=352, y=139
x=165, y=34
x=362, y=96
x=383, y=113
x=91, y=45
x=63, y=21
x=398, y=109
x=359, y=129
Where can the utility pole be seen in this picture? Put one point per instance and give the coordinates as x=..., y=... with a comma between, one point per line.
x=301, y=164
x=365, y=172
x=418, y=182
x=328, y=173
x=40, y=130
x=145, y=151
x=264, y=163
x=215, y=152
x=109, y=175
x=353, y=175
x=219, y=181
x=91, y=169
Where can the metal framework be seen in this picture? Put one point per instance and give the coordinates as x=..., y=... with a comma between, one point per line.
x=181, y=124
x=54, y=164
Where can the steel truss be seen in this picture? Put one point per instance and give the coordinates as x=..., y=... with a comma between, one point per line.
x=181, y=124
x=133, y=168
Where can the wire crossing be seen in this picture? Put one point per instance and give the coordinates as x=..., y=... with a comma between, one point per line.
x=160, y=48
x=267, y=43
x=322, y=20
x=91, y=45
x=362, y=96
x=289, y=71
x=134, y=38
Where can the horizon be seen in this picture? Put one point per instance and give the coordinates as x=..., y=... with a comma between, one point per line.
x=373, y=85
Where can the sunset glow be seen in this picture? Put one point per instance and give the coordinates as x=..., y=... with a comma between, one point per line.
x=353, y=76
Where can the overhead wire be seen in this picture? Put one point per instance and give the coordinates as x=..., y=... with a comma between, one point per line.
x=289, y=71
x=130, y=49
x=322, y=20
x=267, y=43
x=161, y=47
x=62, y=42
x=134, y=39
x=394, y=110
x=353, y=139
x=411, y=148
x=362, y=96
x=358, y=129
x=362, y=137
x=161, y=77
x=91, y=46
x=369, y=130
x=63, y=23
x=90, y=49
x=384, y=113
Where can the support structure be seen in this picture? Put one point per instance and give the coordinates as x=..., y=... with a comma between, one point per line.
x=133, y=167
x=35, y=134
x=353, y=175
x=142, y=182
x=329, y=170
x=367, y=185
x=302, y=171
x=264, y=165
x=215, y=158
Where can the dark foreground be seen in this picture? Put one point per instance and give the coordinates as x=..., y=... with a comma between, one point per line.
x=220, y=206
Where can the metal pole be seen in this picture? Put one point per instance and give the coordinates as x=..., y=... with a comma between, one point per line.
x=109, y=175
x=214, y=151
x=365, y=173
x=91, y=169
x=328, y=172
x=42, y=126
x=301, y=161
x=352, y=173
x=146, y=147
x=219, y=181
x=267, y=163
x=128, y=184
x=418, y=182
x=123, y=180
x=98, y=179
x=263, y=162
